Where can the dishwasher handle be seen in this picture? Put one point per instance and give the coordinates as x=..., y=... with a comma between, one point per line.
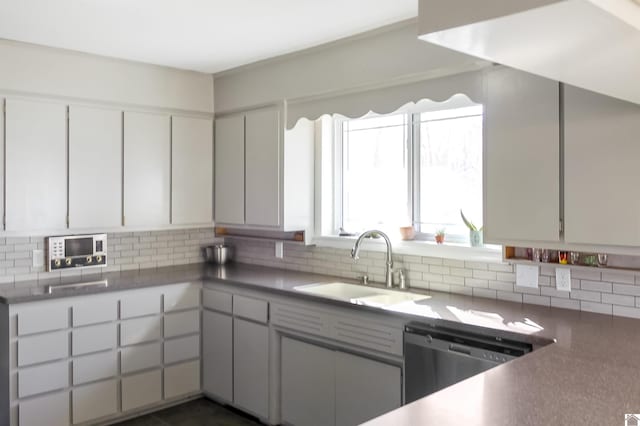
x=429, y=342
x=460, y=349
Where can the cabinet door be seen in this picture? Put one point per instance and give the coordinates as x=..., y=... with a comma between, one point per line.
x=251, y=367
x=50, y=410
x=602, y=199
x=229, y=170
x=307, y=383
x=93, y=401
x=147, y=169
x=263, y=163
x=365, y=389
x=191, y=170
x=95, y=167
x=522, y=158
x=217, y=355
x=182, y=379
x=36, y=165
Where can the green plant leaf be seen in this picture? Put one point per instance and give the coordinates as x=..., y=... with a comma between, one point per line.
x=470, y=225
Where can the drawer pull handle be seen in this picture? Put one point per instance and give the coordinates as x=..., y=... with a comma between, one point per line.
x=51, y=288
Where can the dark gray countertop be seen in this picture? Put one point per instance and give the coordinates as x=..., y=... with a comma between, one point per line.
x=590, y=376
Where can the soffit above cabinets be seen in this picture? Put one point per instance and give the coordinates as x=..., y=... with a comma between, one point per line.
x=592, y=44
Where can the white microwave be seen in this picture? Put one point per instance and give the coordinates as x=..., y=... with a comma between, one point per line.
x=76, y=251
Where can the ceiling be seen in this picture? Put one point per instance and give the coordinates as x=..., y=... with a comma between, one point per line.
x=201, y=35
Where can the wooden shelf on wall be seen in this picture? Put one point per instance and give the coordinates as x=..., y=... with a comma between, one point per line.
x=615, y=262
x=260, y=235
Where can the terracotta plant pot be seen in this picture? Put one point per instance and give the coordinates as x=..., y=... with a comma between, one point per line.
x=439, y=239
x=407, y=233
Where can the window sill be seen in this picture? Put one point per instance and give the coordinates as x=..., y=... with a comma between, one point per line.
x=418, y=248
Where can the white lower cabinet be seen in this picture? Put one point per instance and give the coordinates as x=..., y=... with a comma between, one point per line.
x=307, y=383
x=94, y=401
x=50, y=410
x=235, y=351
x=181, y=323
x=365, y=388
x=217, y=355
x=141, y=389
x=43, y=378
x=140, y=357
x=181, y=379
x=86, y=374
x=43, y=348
x=68, y=366
x=181, y=349
x=327, y=387
x=95, y=367
x=140, y=330
x=251, y=367
x=94, y=338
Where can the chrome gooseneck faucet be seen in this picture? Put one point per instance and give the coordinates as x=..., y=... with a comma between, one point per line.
x=356, y=249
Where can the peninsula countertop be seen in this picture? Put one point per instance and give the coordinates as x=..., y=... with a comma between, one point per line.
x=589, y=376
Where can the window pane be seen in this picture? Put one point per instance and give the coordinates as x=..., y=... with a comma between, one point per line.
x=375, y=173
x=451, y=169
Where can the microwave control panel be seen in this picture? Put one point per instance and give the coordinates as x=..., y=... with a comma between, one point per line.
x=76, y=251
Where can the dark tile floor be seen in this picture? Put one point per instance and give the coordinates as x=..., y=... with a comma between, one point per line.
x=199, y=412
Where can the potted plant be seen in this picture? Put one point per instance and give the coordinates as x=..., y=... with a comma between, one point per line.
x=440, y=236
x=475, y=234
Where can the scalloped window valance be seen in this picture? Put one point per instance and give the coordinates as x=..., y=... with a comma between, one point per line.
x=387, y=99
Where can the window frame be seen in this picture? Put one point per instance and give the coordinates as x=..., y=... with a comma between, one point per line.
x=412, y=149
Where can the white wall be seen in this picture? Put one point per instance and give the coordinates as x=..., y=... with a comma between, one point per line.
x=379, y=58
x=31, y=69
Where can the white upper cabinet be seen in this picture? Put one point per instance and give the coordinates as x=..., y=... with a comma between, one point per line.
x=229, y=170
x=264, y=173
x=147, y=169
x=192, y=170
x=36, y=165
x=602, y=149
x=95, y=167
x=262, y=139
x=521, y=158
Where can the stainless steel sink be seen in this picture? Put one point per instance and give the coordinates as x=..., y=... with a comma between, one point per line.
x=360, y=294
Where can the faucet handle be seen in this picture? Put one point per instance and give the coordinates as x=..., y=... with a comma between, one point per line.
x=402, y=283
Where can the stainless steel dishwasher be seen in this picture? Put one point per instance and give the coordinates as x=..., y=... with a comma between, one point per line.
x=439, y=357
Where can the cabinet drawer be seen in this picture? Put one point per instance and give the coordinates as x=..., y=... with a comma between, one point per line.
x=217, y=300
x=95, y=401
x=138, y=305
x=176, y=299
x=367, y=334
x=93, y=339
x=42, y=318
x=181, y=323
x=94, y=311
x=43, y=378
x=42, y=348
x=50, y=410
x=95, y=367
x=300, y=318
x=139, y=330
x=141, y=389
x=181, y=379
x=251, y=309
x=142, y=357
x=181, y=349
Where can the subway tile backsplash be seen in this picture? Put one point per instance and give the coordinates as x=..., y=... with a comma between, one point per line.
x=125, y=251
x=592, y=290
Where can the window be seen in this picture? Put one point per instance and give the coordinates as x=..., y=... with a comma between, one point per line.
x=410, y=168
